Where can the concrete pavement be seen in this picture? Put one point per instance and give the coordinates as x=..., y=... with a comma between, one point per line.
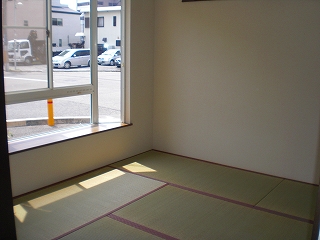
x=43, y=67
x=24, y=127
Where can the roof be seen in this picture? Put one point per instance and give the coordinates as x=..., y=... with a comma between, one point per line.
x=102, y=9
x=62, y=8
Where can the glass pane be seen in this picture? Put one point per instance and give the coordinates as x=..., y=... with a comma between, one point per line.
x=109, y=67
x=24, y=46
x=71, y=58
x=27, y=119
x=109, y=94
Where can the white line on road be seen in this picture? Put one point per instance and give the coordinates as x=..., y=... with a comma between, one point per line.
x=26, y=79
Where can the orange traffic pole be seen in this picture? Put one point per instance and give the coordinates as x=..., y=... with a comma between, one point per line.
x=50, y=112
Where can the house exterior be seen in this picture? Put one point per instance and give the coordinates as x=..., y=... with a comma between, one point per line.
x=65, y=25
x=19, y=17
x=109, y=26
x=101, y=3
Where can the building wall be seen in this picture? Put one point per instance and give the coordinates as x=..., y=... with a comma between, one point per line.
x=37, y=168
x=237, y=83
x=34, y=12
x=102, y=3
x=112, y=33
x=71, y=25
x=16, y=12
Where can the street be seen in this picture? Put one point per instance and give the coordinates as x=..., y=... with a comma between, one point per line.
x=34, y=77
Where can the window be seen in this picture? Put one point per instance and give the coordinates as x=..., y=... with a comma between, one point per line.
x=24, y=45
x=25, y=23
x=100, y=21
x=77, y=99
x=83, y=4
x=114, y=21
x=56, y=21
x=86, y=22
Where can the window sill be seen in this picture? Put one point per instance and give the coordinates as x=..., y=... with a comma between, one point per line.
x=37, y=141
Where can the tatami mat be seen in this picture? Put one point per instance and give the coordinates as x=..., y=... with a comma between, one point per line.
x=157, y=195
x=294, y=198
x=187, y=215
x=57, y=212
x=107, y=228
x=244, y=186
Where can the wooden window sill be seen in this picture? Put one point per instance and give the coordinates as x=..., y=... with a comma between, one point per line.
x=24, y=144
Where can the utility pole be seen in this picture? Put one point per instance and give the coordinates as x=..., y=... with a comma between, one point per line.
x=5, y=36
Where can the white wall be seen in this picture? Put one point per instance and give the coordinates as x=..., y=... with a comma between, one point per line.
x=112, y=33
x=237, y=83
x=38, y=168
x=71, y=25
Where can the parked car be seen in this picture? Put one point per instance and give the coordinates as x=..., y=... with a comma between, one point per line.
x=108, y=57
x=72, y=57
x=118, y=62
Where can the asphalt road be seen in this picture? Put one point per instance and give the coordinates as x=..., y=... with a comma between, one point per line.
x=34, y=77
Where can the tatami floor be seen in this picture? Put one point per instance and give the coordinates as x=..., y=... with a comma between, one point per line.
x=156, y=195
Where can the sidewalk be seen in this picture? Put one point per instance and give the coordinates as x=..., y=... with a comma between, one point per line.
x=23, y=127
x=43, y=67
x=17, y=129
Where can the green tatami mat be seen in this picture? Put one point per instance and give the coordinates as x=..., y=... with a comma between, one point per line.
x=227, y=182
x=294, y=198
x=187, y=215
x=59, y=211
x=106, y=228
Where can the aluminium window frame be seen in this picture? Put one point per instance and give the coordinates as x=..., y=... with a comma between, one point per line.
x=52, y=92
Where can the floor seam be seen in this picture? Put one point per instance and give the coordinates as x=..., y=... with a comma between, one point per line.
x=256, y=204
x=108, y=213
x=141, y=227
x=248, y=205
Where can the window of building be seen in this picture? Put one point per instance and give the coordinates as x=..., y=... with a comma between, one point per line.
x=114, y=21
x=100, y=21
x=25, y=23
x=83, y=4
x=57, y=22
x=71, y=84
x=86, y=22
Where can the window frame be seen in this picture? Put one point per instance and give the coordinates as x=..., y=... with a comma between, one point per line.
x=57, y=20
x=52, y=92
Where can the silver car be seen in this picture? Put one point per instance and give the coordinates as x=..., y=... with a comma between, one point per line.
x=72, y=57
x=108, y=57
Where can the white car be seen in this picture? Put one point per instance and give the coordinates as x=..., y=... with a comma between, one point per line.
x=72, y=57
x=108, y=57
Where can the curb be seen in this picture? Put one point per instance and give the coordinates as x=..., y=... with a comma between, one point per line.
x=44, y=121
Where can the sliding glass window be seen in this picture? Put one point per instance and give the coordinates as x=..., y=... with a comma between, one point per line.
x=56, y=68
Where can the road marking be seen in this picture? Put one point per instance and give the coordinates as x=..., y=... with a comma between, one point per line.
x=26, y=79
